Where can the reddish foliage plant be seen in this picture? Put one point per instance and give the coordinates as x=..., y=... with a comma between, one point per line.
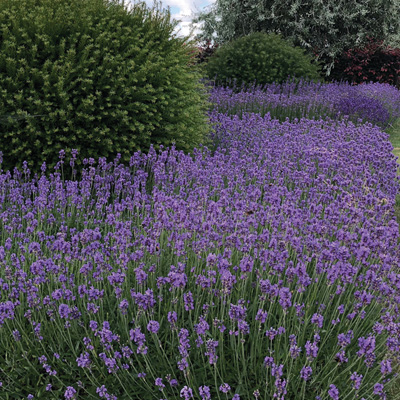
x=374, y=62
x=205, y=52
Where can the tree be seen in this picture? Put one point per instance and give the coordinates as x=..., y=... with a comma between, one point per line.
x=322, y=27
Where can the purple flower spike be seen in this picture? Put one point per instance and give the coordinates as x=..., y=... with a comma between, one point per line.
x=356, y=378
x=386, y=367
x=159, y=383
x=333, y=392
x=317, y=319
x=64, y=310
x=205, y=392
x=101, y=391
x=186, y=393
x=153, y=326
x=378, y=389
x=224, y=388
x=305, y=373
x=70, y=393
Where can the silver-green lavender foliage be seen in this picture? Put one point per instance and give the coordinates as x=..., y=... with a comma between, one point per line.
x=326, y=27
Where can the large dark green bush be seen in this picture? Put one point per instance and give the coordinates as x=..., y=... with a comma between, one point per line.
x=261, y=57
x=94, y=76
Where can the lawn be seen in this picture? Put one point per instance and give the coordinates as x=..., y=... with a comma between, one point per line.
x=394, y=132
x=264, y=266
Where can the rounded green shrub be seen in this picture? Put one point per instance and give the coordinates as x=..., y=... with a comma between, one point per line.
x=95, y=76
x=261, y=57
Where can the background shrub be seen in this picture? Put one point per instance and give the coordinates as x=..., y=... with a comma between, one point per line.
x=261, y=57
x=93, y=76
x=200, y=55
x=374, y=62
x=205, y=52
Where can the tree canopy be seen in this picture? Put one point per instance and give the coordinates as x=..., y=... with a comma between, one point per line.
x=323, y=27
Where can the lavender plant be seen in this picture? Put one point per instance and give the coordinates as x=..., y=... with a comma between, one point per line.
x=267, y=268
x=376, y=103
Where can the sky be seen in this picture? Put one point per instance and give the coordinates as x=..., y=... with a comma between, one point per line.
x=183, y=10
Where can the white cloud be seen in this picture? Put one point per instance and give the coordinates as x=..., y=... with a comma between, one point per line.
x=182, y=10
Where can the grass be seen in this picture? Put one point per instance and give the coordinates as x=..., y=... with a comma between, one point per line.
x=394, y=132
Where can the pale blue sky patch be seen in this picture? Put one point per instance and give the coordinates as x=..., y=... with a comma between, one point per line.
x=175, y=10
x=183, y=10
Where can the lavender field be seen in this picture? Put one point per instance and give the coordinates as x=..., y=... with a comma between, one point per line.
x=265, y=265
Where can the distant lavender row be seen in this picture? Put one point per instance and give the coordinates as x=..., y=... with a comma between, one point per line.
x=374, y=102
x=268, y=268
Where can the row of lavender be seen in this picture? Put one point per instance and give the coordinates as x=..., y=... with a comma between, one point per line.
x=376, y=103
x=267, y=268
